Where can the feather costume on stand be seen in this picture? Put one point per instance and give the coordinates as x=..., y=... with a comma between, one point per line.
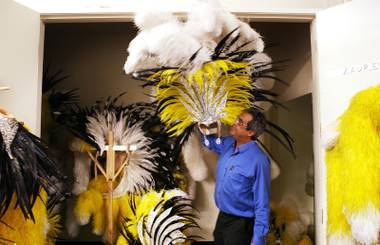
x=153, y=157
x=28, y=175
x=137, y=174
x=353, y=183
x=91, y=126
x=288, y=225
x=159, y=218
x=53, y=103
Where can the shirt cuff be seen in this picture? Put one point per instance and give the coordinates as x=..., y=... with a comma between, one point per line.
x=258, y=240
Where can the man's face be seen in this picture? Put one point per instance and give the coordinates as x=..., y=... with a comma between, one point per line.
x=239, y=128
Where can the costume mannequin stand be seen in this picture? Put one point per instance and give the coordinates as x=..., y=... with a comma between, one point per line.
x=111, y=173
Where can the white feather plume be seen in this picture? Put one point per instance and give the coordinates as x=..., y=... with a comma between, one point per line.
x=167, y=44
x=163, y=40
x=365, y=225
x=137, y=174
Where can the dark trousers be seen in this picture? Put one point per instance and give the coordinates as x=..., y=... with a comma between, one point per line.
x=233, y=230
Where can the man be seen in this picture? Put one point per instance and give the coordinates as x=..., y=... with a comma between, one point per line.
x=242, y=182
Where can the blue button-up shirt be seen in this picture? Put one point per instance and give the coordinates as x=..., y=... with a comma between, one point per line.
x=243, y=182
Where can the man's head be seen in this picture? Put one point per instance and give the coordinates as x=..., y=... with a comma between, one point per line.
x=250, y=124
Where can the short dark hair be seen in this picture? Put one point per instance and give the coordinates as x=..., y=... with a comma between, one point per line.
x=258, y=122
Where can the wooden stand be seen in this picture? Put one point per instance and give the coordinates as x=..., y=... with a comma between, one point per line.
x=110, y=171
x=110, y=175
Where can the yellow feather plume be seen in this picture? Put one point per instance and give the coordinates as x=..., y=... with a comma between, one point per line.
x=218, y=91
x=94, y=204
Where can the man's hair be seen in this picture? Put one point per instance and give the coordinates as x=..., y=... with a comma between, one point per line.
x=258, y=123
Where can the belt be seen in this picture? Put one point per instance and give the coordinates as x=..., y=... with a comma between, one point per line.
x=234, y=216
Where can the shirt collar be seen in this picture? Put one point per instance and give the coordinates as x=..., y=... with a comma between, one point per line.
x=243, y=147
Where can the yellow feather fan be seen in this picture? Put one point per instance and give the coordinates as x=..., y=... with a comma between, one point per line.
x=218, y=91
x=353, y=171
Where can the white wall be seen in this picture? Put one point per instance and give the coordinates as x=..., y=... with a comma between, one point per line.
x=112, y=6
x=21, y=42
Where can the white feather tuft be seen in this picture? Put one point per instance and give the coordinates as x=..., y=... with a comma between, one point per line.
x=193, y=158
x=365, y=225
x=330, y=135
x=82, y=165
x=148, y=19
x=275, y=170
x=202, y=20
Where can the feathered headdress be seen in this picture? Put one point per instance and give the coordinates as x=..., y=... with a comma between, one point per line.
x=137, y=173
x=152, y=156
x=210, y=94
x=215, y=93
